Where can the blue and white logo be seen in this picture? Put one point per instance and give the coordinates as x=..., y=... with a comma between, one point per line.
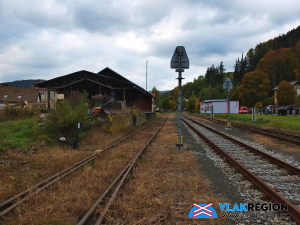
x=202, y=211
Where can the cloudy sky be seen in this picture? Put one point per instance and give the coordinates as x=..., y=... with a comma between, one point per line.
x=51, y=38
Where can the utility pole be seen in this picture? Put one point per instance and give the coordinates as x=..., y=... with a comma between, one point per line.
x=146, y=73
x=228, y=86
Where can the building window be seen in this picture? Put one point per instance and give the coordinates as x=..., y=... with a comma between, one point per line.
x=5, y=96
x=19, y=97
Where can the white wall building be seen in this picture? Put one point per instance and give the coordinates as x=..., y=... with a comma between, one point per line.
x=219, y=106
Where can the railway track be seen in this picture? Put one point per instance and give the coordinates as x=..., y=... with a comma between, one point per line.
x=11, y=204
x=96, y=214
x=277, y=179
x=291, y=137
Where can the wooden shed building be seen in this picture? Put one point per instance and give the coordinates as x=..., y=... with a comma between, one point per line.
x=105, y=83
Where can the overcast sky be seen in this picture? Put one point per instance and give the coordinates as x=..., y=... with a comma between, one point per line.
x=44, y=39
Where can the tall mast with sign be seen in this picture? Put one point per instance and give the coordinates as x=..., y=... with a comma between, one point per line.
x=180, y=61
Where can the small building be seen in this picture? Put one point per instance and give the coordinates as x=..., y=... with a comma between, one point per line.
x=219, y=106
x=296, y=85
x=285, y=110
x=44, y=92
x=18, y=95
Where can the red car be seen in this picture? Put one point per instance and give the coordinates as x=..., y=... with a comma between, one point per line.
x=244, y=110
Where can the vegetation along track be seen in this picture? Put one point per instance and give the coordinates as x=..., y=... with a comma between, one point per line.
x=276, y=178
x=286, y=136
x=11, y=204
x=96, y=214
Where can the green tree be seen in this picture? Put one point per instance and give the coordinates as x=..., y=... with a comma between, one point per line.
x=166, y=103
x=191, y=103
x=255, y=88
x=209, y=93
x=157, y=101
x=286, y=94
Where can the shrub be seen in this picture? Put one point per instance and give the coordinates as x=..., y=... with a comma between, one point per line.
x=16, y=112
x=63, y=119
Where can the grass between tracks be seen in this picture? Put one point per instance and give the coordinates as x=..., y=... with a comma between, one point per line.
x=31, y=167
x=164, y=185
x=70, y=198
x=162, y=188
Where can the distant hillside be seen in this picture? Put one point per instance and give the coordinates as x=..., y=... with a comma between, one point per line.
x=164, y=91
x=23, y=83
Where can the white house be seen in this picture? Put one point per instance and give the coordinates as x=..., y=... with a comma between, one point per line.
x=219, y=106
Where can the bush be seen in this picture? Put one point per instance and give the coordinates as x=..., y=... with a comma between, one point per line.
x=16, y=112
x=63, y=119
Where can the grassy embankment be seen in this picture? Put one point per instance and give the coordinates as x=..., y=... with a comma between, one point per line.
x=274, y=121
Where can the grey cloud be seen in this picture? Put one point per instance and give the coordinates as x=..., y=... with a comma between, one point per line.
x=101, y=19
x=211, y=31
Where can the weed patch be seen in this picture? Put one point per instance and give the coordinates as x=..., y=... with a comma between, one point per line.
x=17, y=134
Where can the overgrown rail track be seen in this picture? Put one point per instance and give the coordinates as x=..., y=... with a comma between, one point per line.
x=8, y=206
x=286, y=136
x=96, y=214
x=276, y=178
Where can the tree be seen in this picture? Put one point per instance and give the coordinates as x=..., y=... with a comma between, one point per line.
x=191, y=103
x=209, y=93
x=166, y=103
x=175, y=92
x=187, y=90
x=255, y=88
x=157, y=100
x=197, y=106
x=173, y=105
x=214, y=75
x=286, y=94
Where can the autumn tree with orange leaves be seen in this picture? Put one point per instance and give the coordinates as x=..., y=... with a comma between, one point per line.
x=255, y=88
x=280, y=65
x=173, y=105
x=286, y=94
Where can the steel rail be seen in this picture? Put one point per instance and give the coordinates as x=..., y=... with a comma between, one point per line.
x=90, y=214
x=268, y=132
x=16, y=200
x=265, y=155
x=293, y=211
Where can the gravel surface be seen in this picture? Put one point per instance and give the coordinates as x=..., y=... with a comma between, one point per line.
x=226, y=182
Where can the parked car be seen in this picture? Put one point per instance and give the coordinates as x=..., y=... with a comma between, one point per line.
x=244, y=110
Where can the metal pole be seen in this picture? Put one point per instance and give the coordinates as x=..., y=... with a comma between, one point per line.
x=146, y=73
x=228, y=93
x=180, y=141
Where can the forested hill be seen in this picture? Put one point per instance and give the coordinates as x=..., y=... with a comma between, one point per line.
x=249, y=62
x=23, y=83
x=282, y=41
x=255, y=74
